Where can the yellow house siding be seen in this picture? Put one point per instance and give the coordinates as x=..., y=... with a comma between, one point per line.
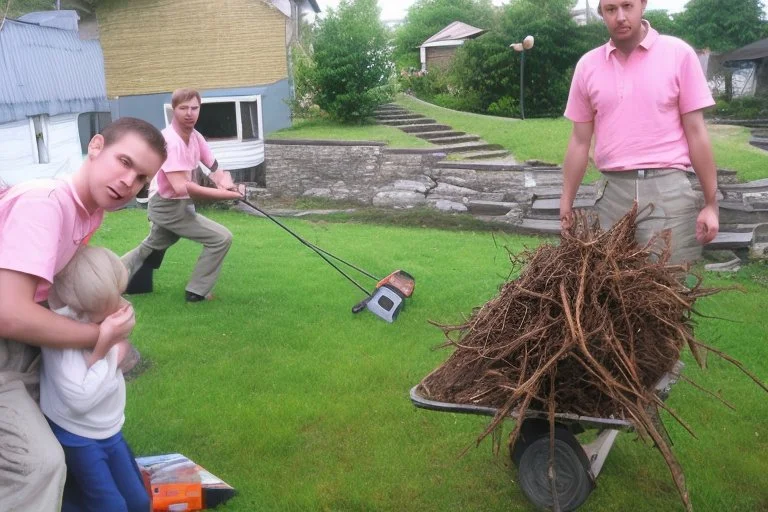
x=154, y=46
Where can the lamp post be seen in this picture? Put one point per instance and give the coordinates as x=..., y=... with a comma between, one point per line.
x=527, y=44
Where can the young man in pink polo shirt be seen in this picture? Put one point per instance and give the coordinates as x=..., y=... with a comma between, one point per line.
x=42, y=223
x=642, y=96
x=171, y=208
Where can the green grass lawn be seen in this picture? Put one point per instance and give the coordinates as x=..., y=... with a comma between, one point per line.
x=547, y=139
x=280, y=390
x=730, y=145
x=325, y=129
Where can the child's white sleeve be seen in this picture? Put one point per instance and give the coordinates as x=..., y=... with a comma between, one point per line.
x=81, y=388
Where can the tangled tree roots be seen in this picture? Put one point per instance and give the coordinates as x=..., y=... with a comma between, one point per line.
x=589, y=328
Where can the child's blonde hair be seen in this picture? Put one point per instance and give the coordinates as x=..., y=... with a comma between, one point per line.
x=91, y=283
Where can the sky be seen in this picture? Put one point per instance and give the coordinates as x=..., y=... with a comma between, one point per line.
x=396, y=9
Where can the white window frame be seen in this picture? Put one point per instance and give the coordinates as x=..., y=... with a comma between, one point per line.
x=168, y=112
x=44, y=120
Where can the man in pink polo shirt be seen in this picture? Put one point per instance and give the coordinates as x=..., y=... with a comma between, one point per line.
x=642, y=96
x=171, y=209
x=41, y=225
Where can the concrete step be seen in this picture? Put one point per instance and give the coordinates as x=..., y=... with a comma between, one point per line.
x=406, y=122
x=724, y=240
x=541, y=226
x=454, y=139
x=739, y=213
x=752, y=192
x=548, y=206
x=439, y=133
x=480, y=155
x=424, y=127
x=469, y=146
x=390, y=106
x=398, y=116
x=477, y=207
x=584, y=191
x=729, y=240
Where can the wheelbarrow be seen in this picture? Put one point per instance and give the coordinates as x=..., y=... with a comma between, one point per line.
x=577, y=465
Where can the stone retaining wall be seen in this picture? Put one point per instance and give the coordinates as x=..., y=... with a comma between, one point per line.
x=343, y=170
x=372, y=174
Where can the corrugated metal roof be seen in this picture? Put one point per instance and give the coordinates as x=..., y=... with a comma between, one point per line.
x=65, y=20
x=753, y=51
x=456, y=30
x=46, y=70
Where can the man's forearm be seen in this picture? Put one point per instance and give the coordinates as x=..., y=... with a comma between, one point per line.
x=704, y=165
x=574, y=167
x=196, y=191
x=35, y=325
x=700, y=150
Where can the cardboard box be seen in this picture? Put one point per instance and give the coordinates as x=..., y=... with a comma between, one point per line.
x=177, y=484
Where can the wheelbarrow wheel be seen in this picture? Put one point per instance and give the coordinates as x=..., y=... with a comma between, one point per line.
x=573, y=480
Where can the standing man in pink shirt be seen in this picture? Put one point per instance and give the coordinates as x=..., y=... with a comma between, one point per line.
x=42, y=223
x=642, y=96
x=171, y=209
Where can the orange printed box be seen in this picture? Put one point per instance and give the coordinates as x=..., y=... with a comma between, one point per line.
x=177, y=484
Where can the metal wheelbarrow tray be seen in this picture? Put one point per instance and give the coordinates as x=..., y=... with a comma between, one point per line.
x=577, y=465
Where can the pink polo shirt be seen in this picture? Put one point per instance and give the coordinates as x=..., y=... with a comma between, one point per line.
x=42, y=222
x=182, y=157
x=636, y=103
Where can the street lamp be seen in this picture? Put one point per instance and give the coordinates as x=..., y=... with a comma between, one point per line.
x=527, y=44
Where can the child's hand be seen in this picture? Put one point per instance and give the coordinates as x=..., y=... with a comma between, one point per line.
x=114, y=328
x=127, y=356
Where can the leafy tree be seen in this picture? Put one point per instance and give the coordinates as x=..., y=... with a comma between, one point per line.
x=722, y=25
x=427, y=17
x=490, y=70
x=350, y=71
x=663, y=22
x=19, y=7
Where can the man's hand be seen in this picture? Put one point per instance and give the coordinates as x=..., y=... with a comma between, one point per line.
x=707, y=224
x=566, y=219
x=222, y=179
x=114, y=328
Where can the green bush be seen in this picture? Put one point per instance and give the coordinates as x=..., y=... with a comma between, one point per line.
x=504, y=107
x=464, y=101
x=743, y=107
x=424, y=85
x=350, y=73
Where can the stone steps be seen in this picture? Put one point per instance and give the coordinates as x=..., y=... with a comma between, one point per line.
x=480, y=155
x=424, y=127
x=438, y=134
x=405, y=122
x=454, y=139
x=466, y=147
x=388, y=106
x=489, y=208
x=398, y=116
x=585, y=191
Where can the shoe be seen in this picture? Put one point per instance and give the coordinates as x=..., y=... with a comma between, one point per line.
x=193, y=297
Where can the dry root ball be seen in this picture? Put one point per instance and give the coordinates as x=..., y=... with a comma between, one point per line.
x=589, y=327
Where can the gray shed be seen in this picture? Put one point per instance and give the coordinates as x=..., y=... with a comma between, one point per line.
x=52, y=95
x=438, y=50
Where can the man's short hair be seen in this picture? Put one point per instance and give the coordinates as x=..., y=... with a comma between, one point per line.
x=179, y=96
x=151, y=135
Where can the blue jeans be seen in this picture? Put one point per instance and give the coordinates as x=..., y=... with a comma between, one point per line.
x=101, y=475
